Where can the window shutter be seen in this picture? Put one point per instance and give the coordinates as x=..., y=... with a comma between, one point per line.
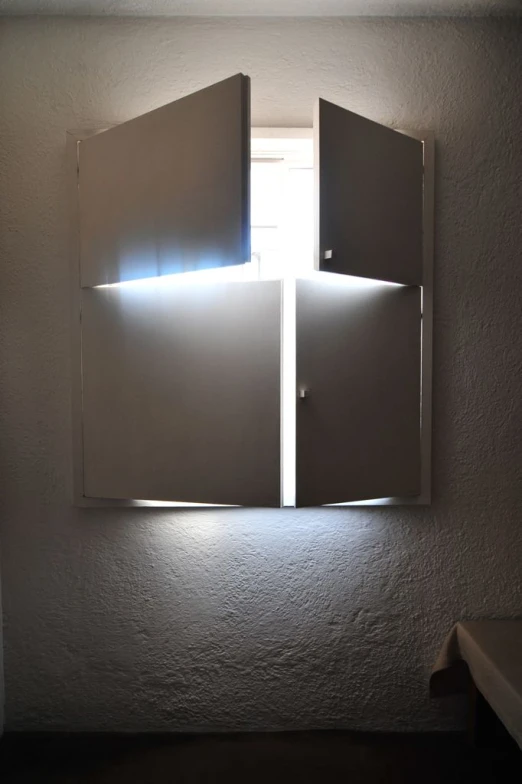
x=181, y=392
x=369, y=210
x=358, y=369
x=169, y=191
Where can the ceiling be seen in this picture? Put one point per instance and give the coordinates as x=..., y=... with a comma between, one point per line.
x=262, y=7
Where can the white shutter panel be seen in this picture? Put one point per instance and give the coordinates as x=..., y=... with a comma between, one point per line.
x=169, y=191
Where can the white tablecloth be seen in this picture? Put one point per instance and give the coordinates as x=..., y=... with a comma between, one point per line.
x=493, y=652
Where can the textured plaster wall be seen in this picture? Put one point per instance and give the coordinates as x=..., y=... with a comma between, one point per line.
x=160, y=620
x=1, y=670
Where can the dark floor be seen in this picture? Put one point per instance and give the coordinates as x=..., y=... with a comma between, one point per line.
x=354, y=758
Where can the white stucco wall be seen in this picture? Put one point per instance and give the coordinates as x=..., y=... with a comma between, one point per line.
x=1, y=669
x=157, y=620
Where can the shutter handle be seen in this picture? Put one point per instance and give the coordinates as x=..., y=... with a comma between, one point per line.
x=303, y=393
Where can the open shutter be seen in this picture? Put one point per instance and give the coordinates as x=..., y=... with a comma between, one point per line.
x=181, y=392
x=169, y=191
x=358, y=369
x=369, y=198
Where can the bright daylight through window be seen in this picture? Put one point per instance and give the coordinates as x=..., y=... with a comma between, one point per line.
x=282, y=193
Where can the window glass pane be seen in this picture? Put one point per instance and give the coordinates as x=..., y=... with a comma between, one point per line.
x=266, y=193
x=264, y=240
x=299, y=221
x=282, y=219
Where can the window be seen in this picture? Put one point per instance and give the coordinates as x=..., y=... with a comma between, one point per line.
x=282, y=201
x=299, y=356
x=282, y=192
